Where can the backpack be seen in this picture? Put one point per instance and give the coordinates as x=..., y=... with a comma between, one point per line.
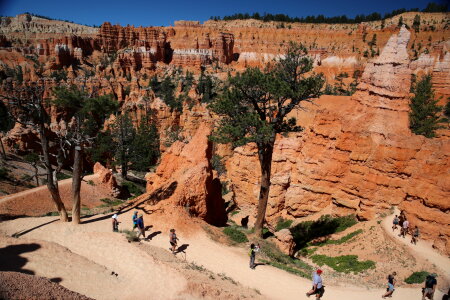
x=430, y=281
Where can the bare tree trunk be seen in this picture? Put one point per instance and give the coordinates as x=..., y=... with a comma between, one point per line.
x=3, y=149
x=76, y=184
x=51, y=184
x=36, y=171
x=265, y=160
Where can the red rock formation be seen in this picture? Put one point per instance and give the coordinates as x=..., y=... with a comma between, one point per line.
x=357, y=154
x=106, y=180
x=185, y=178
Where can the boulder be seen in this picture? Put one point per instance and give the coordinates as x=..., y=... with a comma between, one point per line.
x=285, y=241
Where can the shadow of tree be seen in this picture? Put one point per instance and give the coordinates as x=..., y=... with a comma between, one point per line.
x=10, y=259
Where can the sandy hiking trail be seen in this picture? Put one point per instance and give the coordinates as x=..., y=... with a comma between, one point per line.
x=146, y=278
x=422, y=248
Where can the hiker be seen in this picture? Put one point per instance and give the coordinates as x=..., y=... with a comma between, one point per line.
x=405, y=228
x=115, y=223
x=140, y=225
x=252, y=254
x=391, y=285
x=415, y=236
x=395, y=223
x=135, y=217
x=317, y=288
x=430, y=287
x=173, y=240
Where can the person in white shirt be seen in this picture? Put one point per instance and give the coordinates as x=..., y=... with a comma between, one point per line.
x=405, y=228
x=317, y=288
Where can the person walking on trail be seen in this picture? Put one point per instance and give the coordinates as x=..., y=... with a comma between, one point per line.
x=430, y=287
x=395, y=223
x=173, y=240
x=391, y=285
x=135, y=217
x=140, y=226
x=415, y=235
x=252, y=254
x=317, y=288
x=405, y=228
x=115, y=223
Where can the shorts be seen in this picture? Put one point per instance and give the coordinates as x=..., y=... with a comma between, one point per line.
x=173, y=244
x=428, y=291
x=134, y=226
x=390, y=287
x=319, y=291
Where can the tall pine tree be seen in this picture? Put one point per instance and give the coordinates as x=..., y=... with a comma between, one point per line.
x=425, y=116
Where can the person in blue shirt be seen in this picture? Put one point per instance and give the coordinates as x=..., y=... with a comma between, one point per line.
x=135, y=217
x=317, y=288
x=140, y=226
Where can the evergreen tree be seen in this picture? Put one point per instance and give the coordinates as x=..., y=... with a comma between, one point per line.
x=416, y=23
x=145, y=147
x=123, y=134
x=425, y=116
x=400, y=21
x=6, y=123
x=255, y=105
x=85, y=115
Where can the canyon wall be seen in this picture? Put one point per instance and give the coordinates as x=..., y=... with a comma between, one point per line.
x=358, y=155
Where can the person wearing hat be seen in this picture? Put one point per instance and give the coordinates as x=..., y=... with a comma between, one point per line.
x=115, y=223
x=430, y=287
x=135, y=217
x=317, y=288
x=140, y=225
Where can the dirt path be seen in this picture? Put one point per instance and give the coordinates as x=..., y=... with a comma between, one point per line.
x=98, y=244
x=61, y=184
x=422, y=248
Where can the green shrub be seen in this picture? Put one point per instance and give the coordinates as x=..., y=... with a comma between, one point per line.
x=91, y=182
x=132, y=188
x=62, y=176
x=305, y=232
x=130, y=235
x=417, y=277
x=344, y=263
x=217, y=164
x=341, y=240
x=235, y=235
x=283, y=224
x=110, y=202
x=4, y=173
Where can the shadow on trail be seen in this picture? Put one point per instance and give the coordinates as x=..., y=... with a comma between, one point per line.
x=182, y=248
x=10, y=259
x=153, y=234
x=20, y=233
x=259, y=264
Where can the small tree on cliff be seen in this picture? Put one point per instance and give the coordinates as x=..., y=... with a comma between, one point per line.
x=6, y=123
x=85, y=116
x=254, y=108
x=27, y=106
x=425, y=116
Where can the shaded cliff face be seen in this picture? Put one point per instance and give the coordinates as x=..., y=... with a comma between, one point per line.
x=358, y=155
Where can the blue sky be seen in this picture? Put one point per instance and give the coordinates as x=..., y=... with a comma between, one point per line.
x=163, y=12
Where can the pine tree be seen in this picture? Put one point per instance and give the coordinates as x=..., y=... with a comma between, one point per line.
x=425, y=116
x=416, y=23
x=145, y=147
x=254, y=107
